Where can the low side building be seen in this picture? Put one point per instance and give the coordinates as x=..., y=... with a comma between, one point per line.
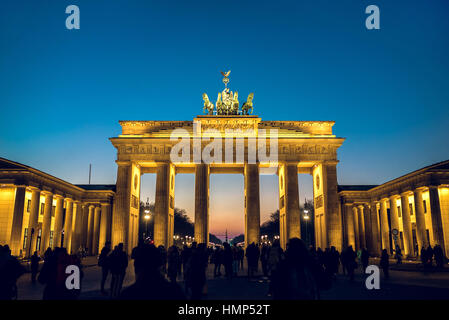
x=411, y=212
x=38, y=211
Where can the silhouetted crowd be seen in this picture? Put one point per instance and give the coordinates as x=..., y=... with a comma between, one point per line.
x=296, y=273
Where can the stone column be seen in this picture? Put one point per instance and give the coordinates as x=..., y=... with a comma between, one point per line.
x=202, y=203
x=90, y=230
x=375, y=230
x=356, y=227
x=46, y=222
x=17, y=221
x=394, y=219
x=58, y=227
x=252, y=204
x=407, y=225
x=105, y=224
x=68, y=225
x=368, y=228
x=350, y=233
x=84, y=232
x=333, y=217
x=361, y=227
x=421, y=235
x=164, y=205
x=33, y=222
x=78, y=228
x=120, y=220
x=437, y=220
x=385, y=229
x=96, y=235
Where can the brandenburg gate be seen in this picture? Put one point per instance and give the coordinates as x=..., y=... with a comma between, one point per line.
x=227, y=140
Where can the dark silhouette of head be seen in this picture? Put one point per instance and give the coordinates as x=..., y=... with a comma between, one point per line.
x=147, y=260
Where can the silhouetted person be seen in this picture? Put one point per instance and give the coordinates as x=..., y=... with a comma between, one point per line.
x=264, y=259
x=252, y=257
x=150, y=284
x=103, y=262
x=174, y=263
x=185, y=256
x=439, y=256
x=163, y=253
x=351, y=262
x=34, y=266
x=241, y=257
x=196, y=274
x=275, y=254
x=398, y=254
x=235, y=260
x=429, y=253
x=47, y=253
x=364, y=259
x=216, y=260
x=227, y=260
x=118, y=262
x=385, y=263
x=10, y=271
x=296, y=276
x=423, y=256
x=53, y=275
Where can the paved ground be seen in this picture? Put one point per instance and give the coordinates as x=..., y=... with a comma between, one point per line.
x=403, y=284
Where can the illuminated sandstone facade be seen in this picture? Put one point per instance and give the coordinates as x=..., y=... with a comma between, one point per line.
x=416, y=205
x=307, y=147
x=38, y=211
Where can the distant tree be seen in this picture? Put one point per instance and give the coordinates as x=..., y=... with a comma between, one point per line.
x=183, y=226
x=238, y=239
x=214, y=239
x=271, y=226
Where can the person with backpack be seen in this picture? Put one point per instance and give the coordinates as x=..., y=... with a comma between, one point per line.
x=103, y=263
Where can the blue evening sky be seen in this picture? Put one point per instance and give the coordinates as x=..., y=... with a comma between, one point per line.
x=63, y=91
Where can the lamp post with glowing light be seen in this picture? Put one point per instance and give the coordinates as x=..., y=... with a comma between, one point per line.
x=306, y=218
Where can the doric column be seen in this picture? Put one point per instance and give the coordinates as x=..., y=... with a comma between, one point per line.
x=421, y=235
x=96, y=235
x=361, y=227
x=78, y=228
x=328, y=221
x=68, y=225
x=385, y=229
x=58, y=227
x=333, y=217
x=437, y=221
x=33, y=222
x=85, y=227
x=164, y=205
x=368, y=227
x=90, y=229
x=356, y=227
x=407, y=225
x=17, y=221
x=46, y=222
x=120, y=220
x=394, y=217
x=375, y=234
x=350, y=231
x=202, y=203
x=105, y=224
x=252, y=204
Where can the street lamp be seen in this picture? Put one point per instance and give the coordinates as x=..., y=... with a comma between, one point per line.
x=146, y=217
x=306, y=218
